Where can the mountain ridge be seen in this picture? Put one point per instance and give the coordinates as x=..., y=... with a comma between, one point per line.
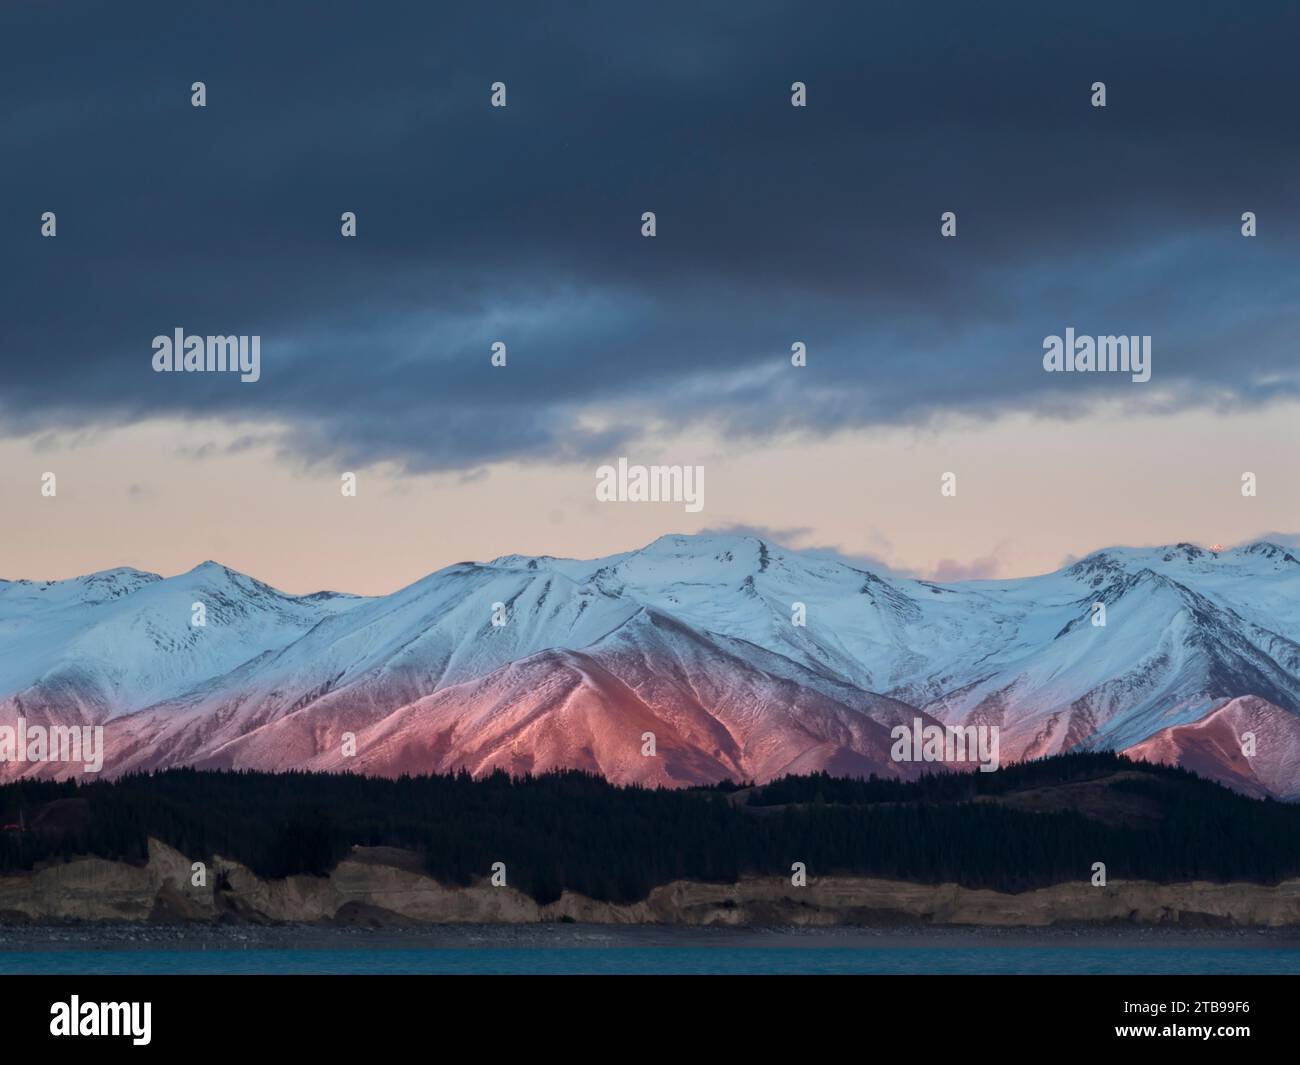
x=799, y=658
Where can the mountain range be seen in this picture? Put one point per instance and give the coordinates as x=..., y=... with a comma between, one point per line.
x=533, y=663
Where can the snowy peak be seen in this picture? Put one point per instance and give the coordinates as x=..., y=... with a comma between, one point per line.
x=1261, y=557
x=1281, y=557
x=89, y=589
x=113, y=642
x=745, y=658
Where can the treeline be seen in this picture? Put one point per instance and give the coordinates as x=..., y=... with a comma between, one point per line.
x=950, y=786
x=574, y=830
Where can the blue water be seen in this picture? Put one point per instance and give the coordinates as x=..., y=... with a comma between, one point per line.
x=662, y=960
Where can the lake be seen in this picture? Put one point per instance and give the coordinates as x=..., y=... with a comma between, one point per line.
x=663, y=960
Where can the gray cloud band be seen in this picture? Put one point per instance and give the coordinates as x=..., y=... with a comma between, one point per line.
x=774, y=224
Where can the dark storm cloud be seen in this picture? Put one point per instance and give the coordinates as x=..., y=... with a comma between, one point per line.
x=775, y=224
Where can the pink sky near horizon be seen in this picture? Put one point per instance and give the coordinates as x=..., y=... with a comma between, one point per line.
x=1032, y=493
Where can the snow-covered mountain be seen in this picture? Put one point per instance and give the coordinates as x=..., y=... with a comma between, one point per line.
x=692, y=639
x=103, y=645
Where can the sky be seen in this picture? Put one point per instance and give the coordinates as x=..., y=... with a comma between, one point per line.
x=522, y=224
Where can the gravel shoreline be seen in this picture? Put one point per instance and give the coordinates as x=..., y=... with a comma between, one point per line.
x=129, y=937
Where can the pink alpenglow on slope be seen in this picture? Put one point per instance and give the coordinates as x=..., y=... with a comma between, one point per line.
x=692, y=660
x=1215, y=747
